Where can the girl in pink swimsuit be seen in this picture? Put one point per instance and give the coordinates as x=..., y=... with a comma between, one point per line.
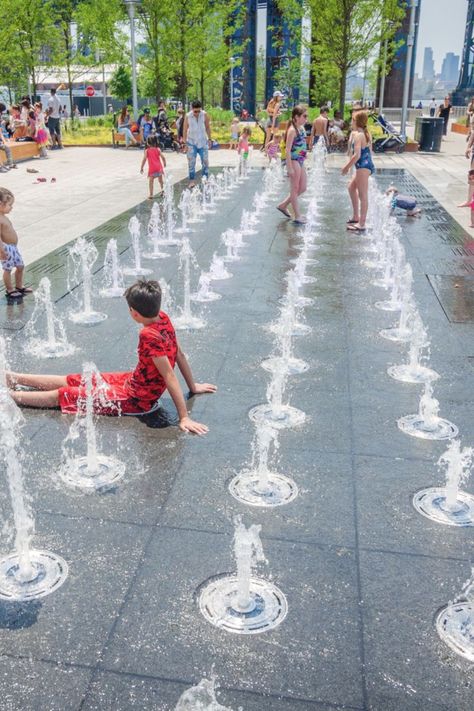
x=156, y=163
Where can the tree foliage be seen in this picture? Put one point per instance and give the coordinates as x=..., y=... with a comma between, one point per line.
x=343, y=34
x=121, y=83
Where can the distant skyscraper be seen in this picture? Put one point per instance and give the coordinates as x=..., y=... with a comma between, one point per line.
x=428, y=64
x=450, y=68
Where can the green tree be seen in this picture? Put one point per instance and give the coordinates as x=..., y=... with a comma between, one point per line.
x=156, y=54
x=27, y=28
x=346, y=32
x=121, y=83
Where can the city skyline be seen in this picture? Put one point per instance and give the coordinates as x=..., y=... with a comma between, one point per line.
x=443, y=36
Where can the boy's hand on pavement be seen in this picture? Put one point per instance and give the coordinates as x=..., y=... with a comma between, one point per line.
x=204, y=388
x=186, y=424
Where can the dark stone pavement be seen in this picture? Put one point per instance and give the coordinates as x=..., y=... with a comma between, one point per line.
x=364, y=574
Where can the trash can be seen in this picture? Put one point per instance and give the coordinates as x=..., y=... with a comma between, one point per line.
x=429, y=132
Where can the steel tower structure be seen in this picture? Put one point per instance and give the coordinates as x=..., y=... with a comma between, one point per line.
x=465, y=87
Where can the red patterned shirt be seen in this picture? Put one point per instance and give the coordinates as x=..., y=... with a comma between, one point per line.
x=146, y=385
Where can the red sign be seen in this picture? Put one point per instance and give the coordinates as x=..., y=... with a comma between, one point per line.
x=90, y=91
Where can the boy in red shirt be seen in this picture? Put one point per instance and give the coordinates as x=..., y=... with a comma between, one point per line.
x=130, y=392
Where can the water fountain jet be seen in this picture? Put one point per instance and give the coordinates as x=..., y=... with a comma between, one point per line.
x=113, y=278
x=448, y=504
x=84, y=255
x=241, y=603
x=56, y=344
x=427, y=424
x=260, y=485
x=455, y=622
x=27, y=573
x=94, y=471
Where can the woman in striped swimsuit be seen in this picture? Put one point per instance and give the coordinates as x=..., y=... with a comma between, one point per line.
x=296, y=149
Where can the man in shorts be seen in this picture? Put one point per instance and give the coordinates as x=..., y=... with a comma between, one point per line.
x=54, y=120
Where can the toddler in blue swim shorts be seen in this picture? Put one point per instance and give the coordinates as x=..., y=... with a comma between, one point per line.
x=403, y=202
x=9, y=254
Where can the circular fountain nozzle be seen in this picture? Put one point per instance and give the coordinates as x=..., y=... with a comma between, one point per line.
x=291, y=366
x=435, y=428
x=286, y=416
x=46, y=573
x=412, y=374
x=86, y=318
x=188, y=323
x=277, y=489
x=77, y=473
x=433, y=504
x=455, y=626
x=218, y=597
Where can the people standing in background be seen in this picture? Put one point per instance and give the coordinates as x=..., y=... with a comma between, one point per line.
x=273, y=112
x=443, y=112
x=65, y=113
x=54, y=124
x=180, y=125
x=234, y=133
x=41, y=134
x=319, y=128
x=432, y=107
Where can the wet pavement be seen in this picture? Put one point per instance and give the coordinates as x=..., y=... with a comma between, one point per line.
x=363, y=573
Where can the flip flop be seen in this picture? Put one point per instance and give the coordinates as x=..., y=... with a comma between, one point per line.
x=355, y=228
x=24, y=290
x=15, y=294
x=298, y=222
x=284, y=212
x=352, y=222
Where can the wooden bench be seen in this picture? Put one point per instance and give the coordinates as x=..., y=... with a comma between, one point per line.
x=20, y=151
x=118, y=138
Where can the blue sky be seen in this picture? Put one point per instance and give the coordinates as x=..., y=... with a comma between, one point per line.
x=442, y=26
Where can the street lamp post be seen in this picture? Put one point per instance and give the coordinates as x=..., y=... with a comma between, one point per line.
x=409, y=59
x=131, y=5
x=382, y=78
x=232, y=61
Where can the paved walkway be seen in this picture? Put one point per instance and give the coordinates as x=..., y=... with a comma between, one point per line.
x=95, y=184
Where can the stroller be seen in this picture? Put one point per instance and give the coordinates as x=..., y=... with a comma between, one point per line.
x=166, y=138
x=391, y=140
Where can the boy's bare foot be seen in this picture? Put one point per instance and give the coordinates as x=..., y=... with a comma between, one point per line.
x=464, y=204
x=150, y=197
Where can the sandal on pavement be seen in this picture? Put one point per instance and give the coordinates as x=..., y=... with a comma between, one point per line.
x=15, y=294
x=352, y=222
x=298, y=222
x=284, y=212
x=24, y=289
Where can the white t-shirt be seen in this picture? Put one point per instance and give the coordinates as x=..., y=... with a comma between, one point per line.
x=432, y=104
x=197, y=134
x=54, y=105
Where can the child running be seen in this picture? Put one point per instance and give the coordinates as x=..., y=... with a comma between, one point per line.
x=9, y=254
x=156, y=163
x=273, y=146
x=129, y=393
x=234, y=133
